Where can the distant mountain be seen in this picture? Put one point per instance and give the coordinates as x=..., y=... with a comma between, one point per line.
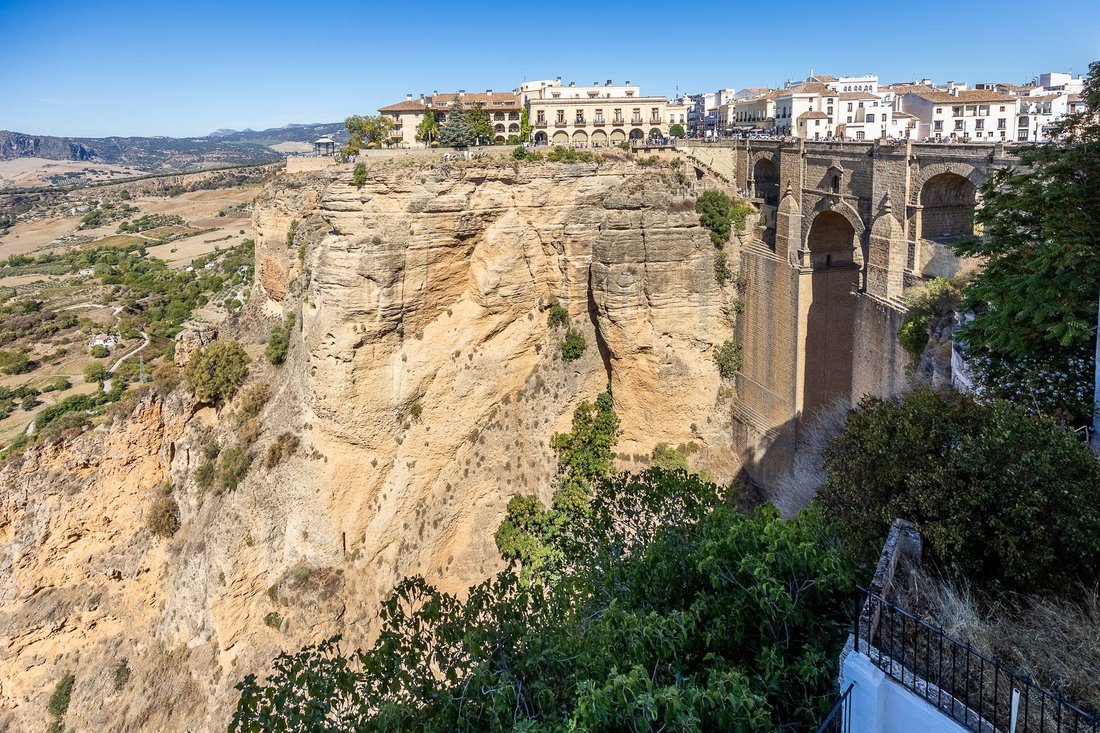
x=167, y=154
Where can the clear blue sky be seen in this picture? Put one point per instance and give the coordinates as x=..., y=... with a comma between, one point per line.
x=153, y=68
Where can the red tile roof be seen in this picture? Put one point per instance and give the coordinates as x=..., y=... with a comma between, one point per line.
x=409, y=105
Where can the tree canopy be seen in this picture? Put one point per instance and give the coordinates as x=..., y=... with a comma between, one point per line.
x=1003, y=499
x=670, y=610
x=457, y=130
x=428, y=129
x=1035, y=299
x=363, y=131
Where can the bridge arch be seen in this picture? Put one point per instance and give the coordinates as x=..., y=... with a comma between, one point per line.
x=829, y=323
x=947, y=202
x=765, y=178
x=829, y=205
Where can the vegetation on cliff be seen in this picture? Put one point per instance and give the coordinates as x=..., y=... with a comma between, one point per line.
x=216, y=371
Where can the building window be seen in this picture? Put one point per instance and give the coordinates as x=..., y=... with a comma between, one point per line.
x=540, y=117
x=958, y=124
x=1002, y=124
x=619, y=116
x=870, y=118
x=849, y=107
x=599, y=116
x=938, y=125
x=561, y=116
x=979, y=124
x=849, y=118
x=579, y=117
x=860, y=135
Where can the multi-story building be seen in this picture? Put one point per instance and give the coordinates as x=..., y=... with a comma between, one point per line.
x=1037, y=114
x=971, y=115
x=503, y=109
x=752, y=113
x=808, y=111
x=597, y=115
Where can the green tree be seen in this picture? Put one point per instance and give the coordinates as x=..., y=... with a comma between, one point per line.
x=359, y=175
x=100, y=351
x=1003, y=499
x=95, y=372
x=457, y=130
x=1035, y=297
x=216, y=371
x=525, y=126
x=676, y=131
x=369, y=131
x=428, y=130
x=670, y=610
x=478, y=120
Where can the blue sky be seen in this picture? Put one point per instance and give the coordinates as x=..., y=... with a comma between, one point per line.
x=129, y=68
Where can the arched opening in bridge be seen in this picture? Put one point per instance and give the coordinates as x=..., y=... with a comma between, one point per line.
x=947, y=208
x=830, y=319
x=765, y=177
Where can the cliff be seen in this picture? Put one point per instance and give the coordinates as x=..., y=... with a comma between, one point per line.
x=421, y=391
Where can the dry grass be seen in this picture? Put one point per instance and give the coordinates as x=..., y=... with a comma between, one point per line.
x=1054, y=641
x=798, y=487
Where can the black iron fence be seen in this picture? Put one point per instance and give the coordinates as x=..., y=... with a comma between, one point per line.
x=839, y=719
x=974, y=690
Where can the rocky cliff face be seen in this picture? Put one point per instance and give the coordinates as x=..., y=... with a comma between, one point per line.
x=422, y=388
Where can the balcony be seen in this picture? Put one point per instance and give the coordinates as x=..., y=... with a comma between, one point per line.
x=618, y=121
x=599, y=123
x=655, y=121
x=540, y=123
x=561, y=123
x=579, y=121
x=635, y=120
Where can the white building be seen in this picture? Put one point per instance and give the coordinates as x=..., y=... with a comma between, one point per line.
x=962, y=115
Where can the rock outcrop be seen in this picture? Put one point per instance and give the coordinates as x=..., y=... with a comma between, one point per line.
x=420, y=394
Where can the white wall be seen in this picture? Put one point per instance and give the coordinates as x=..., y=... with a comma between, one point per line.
x=880, y=705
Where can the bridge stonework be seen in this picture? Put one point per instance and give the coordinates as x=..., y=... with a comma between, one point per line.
x=843, y=229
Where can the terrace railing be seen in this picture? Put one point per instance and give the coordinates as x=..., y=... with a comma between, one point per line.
x=979, y=693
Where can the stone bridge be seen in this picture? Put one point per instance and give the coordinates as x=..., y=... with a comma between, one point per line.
x=843, y=229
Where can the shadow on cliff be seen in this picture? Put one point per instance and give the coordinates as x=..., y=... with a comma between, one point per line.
x=601, y=344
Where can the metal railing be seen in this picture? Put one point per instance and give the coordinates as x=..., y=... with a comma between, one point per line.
x=977, y=692
x=839, y=719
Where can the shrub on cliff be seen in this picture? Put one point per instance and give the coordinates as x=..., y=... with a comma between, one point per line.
x=62, y=694
x=557, y=316
x=278, y=341
x=1002, y=498
x=164, y=516
x=359, y=175
x=216, y=371
x=573, y=346
x=719, y=214
x=729, y=358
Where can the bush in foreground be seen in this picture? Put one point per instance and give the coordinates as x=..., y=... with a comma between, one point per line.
x=1003, y=498
x=669, y=610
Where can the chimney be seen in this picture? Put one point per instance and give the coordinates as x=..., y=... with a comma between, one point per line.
x=435, y=92
x=488, y=91
x=558, y=80
x=408, y=97
x=572, y=83
x=462, y=92
x=628, y=82
x=595, y=83
x=608, y=83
